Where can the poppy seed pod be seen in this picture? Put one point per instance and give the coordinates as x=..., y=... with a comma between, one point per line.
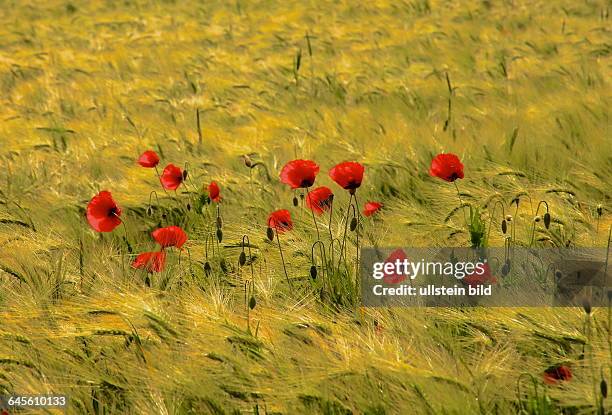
x=188, y=206
x=313, y=272
x=252, y=302
x=270, y=233
x=537, y=219
x=586, y=305
x=219, y=222
x=219, y=235
x=185, y=174
x=504, y=226
x=603, y=388
x=207, y=267
x=295, y=201
x=599, y=210
x=247, y=161
x=353, y=224
x=547, y=220
x=242, y=258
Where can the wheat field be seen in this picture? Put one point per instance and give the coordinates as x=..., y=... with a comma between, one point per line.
x=519, y=90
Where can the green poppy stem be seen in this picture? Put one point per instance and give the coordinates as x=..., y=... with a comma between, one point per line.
x=313, y=216
x=282, y=258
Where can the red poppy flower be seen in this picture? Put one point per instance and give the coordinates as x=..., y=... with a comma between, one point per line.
x=348, y=175
x=214, y=192
x=148, y=159
x=280, y=220
x=170, y=236
x=299, y=173
x=371, y=208
x=475, y=279
x=172, y=177
x=150, y=261
x=394, y=277
x=103, y=213
x=556, y=374
x=319, y=199
x=447, y=167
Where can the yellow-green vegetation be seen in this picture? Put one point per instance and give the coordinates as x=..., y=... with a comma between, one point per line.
x=518, y=89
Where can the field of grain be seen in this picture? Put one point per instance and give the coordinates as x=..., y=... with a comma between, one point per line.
x=519, y=90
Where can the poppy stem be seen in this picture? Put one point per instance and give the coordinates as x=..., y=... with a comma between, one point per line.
x=283, y=259
x=345, y=229
x=357, y=232
x=461, y=205
x=313, y=216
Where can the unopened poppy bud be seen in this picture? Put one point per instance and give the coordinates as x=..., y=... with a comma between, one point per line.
x=547, y=220
x=270, y=234
x=504, y=226
x=508, y=218
x=353, y=224
x=164, y=216
x=599, y=210
x=295, y=201
x=558, y=275
x=207, y=267
x=247, y=161
x=252, y=302
x=506, y=268
x=603, y=388
x=586, y=305
x=185, y=174
x=149, y=211
x=219, y=222
x=537, y=219
x=188, y=206
x=219, y=235
x=302, y=196
x=313, y=272
x=515, y=200
x=242, y=258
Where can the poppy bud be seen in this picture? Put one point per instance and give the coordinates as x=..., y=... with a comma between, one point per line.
x=242, y=258
x=295, y=201
x=353, y=224
x=252, y=302
x=270, y=234
x=188, y=206
x=599, y=210
x=164, y=216
x=506, y=268
x=537, y=219
x=603, y=388
x=219, y=222
x=558, y=275
x=515, y=200
x=148, y=281
x=547, y=220
x=149, y=211
x=247, y=161
x=302, y=196
x=219, y=235
x=313, y=272
x=504, y=226
x=185, y=174
x=207, y=267
x=508, y=218
x=586, y=305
